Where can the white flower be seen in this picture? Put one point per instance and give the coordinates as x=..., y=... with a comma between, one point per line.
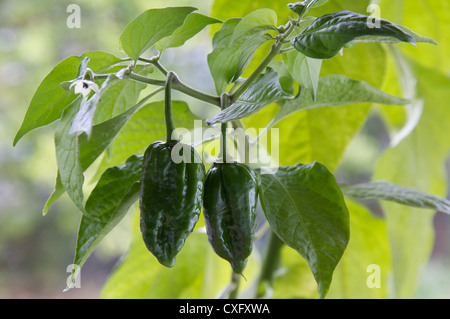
x=84, y=87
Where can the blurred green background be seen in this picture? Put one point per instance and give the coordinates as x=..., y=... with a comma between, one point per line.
x=35, y=251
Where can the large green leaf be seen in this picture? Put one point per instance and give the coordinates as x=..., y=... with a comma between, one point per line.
x=194, y=23
x=235, y=44
x=265, y=90
x=115, y=192
x=150, y=27
x=337, y=90
x=328, y=35
x=382, y=190
x=50, y=98
x=305, y=208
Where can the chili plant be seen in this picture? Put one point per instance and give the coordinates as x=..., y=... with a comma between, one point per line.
x=109, y=110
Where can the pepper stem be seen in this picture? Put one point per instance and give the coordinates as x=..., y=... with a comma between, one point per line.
x=224, y=101
x=170, y=126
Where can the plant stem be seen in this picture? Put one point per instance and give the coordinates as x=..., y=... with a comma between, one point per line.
x=271, y=263
x=155, y=62
x=179, y=86
x=274, y=51
x=170, y=126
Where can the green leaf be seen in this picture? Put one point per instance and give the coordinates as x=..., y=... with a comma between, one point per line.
x=304, y=70
x=193, y=24
x=115, y=192
x=150, y=27
x=258, y=20
x=50, y=98
x=58, y=191
x=382, y=190
x=337, y=90
x=233, y=48
x=319, y=3
x=285, y=77
x=301, y=7
x=264, y=91
x=305, y=208
x=328, y=35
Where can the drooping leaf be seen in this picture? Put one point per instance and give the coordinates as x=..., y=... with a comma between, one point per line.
x=337, y=90
x=150, y=27
x=264, y=91
x=50, y=98
x=58, y=191
x=382, y=190
x=234, y=46
x=328, y=35
x=306, y=209
x=194, y=23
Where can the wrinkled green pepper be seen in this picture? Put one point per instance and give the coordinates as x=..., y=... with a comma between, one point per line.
x=229, y=207
x=170, y=199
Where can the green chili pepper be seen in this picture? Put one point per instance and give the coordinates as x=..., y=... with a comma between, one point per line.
x=171, y=196
x=229, y=207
